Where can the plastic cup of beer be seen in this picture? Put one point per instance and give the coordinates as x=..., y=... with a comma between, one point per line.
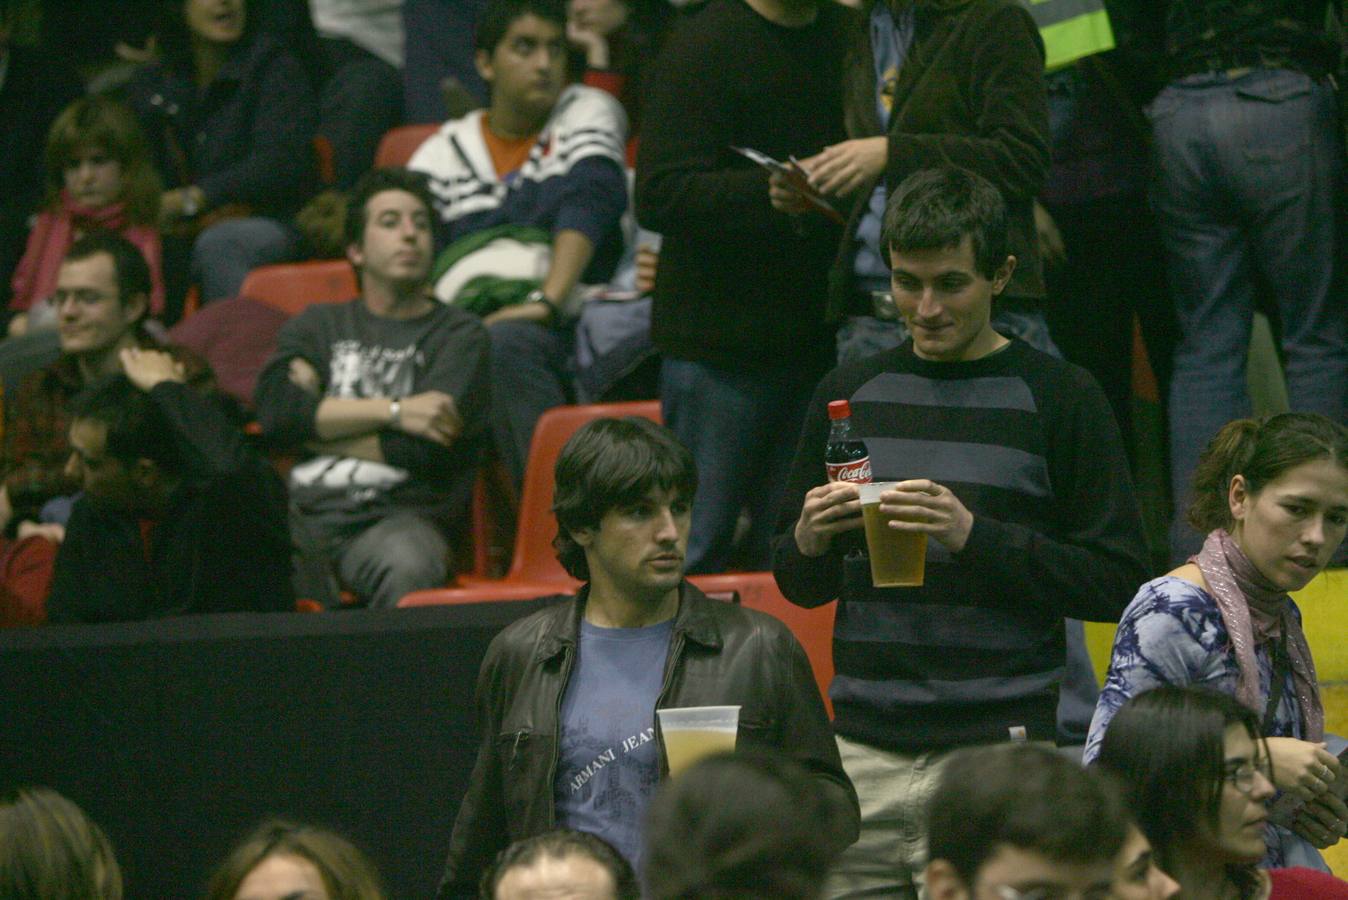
x=898, y=558
x=692, y=732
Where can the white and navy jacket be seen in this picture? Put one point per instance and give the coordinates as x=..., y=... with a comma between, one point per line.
x=572, y=179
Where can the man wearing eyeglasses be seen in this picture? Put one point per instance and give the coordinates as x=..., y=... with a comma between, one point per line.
x=101, y=301
x=1022, y=822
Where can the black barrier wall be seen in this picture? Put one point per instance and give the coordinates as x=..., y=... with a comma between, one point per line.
x=178, y=736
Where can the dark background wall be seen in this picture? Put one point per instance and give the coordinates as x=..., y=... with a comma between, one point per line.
x=179, y=736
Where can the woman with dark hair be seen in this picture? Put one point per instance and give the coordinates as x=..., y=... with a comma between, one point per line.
x=1196, y=772
x=284, y=861
x=1272, y=496
x=232, y=118
x=50, y=850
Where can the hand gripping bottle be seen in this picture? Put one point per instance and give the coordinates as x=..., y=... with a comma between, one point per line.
x=845, y=456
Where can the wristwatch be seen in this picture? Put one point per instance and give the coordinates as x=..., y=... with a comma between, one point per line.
x=537, y=296
x=395, y=411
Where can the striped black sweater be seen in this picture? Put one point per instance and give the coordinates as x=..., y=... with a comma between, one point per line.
x=1028, y=444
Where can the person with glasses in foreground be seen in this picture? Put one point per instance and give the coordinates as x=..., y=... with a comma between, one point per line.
x=1022, y=822
x=1196, y=773
x=1272, y=496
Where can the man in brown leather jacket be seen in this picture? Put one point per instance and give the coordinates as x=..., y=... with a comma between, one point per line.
x=567, y=696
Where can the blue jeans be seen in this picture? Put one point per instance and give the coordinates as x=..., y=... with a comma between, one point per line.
x=531, y=372
x=1247, y=173
x=227, y=251
x=379, y=559
x=742, y=428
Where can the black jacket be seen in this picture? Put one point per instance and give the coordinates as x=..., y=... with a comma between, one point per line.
x=720, y=654
x=248, y=138
x=970, y=94
x=223, y=546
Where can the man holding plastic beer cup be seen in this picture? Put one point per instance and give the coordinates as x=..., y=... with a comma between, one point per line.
x=1008, y=464
x=586, y=704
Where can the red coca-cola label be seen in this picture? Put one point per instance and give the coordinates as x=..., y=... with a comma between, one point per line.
x=858, y=471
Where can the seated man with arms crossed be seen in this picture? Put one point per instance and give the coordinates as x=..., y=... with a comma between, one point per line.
x=567, y=696
x=388, y=393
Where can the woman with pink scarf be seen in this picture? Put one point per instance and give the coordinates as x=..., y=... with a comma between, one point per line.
x=1272, y=496
x=99, y=176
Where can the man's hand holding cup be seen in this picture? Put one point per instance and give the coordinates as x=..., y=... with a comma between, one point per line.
x=924, y=506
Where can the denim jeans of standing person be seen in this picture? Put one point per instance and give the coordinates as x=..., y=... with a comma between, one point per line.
x=531, y=372
x=742, y=428
x=1248, y=173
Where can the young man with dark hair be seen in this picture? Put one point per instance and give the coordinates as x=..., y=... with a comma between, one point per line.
x=531, y=191
x=178, y=513
x=566, y=864
x=102, y=297
x=1017, y=820
x=575, y=686
x=1010, y=463
x=388, y=394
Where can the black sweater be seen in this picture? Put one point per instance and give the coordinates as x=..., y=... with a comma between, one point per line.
x=738, y=285
x=1028, y=444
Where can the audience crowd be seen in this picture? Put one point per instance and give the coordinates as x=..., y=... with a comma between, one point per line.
x=959, y=216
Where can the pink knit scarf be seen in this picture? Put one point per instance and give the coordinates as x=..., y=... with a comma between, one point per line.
x=35, y=277
x=1257, y=612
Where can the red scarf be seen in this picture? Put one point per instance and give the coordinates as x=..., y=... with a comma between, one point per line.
x=54, y=232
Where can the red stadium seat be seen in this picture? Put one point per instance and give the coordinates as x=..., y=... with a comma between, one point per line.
x=534, y=570
x=291, y=287
x=398, y=144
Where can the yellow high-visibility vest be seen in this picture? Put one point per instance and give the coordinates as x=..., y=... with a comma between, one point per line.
x=1071, y=29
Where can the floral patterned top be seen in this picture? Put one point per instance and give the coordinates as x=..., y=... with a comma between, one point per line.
x=1172, y=633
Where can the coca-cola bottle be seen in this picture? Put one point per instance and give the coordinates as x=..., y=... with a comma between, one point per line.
x=845, y=456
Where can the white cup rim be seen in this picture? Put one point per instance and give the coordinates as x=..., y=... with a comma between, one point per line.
x=702, y=718
x=871, y=491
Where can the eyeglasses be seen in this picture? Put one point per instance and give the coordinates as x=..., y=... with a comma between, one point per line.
x=1053, y=892
x=1240, y=775
x=81, y=296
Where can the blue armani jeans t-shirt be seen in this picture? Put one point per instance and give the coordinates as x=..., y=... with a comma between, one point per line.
x=609, y=760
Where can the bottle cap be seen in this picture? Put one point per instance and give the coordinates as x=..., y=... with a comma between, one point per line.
x=839, y=409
